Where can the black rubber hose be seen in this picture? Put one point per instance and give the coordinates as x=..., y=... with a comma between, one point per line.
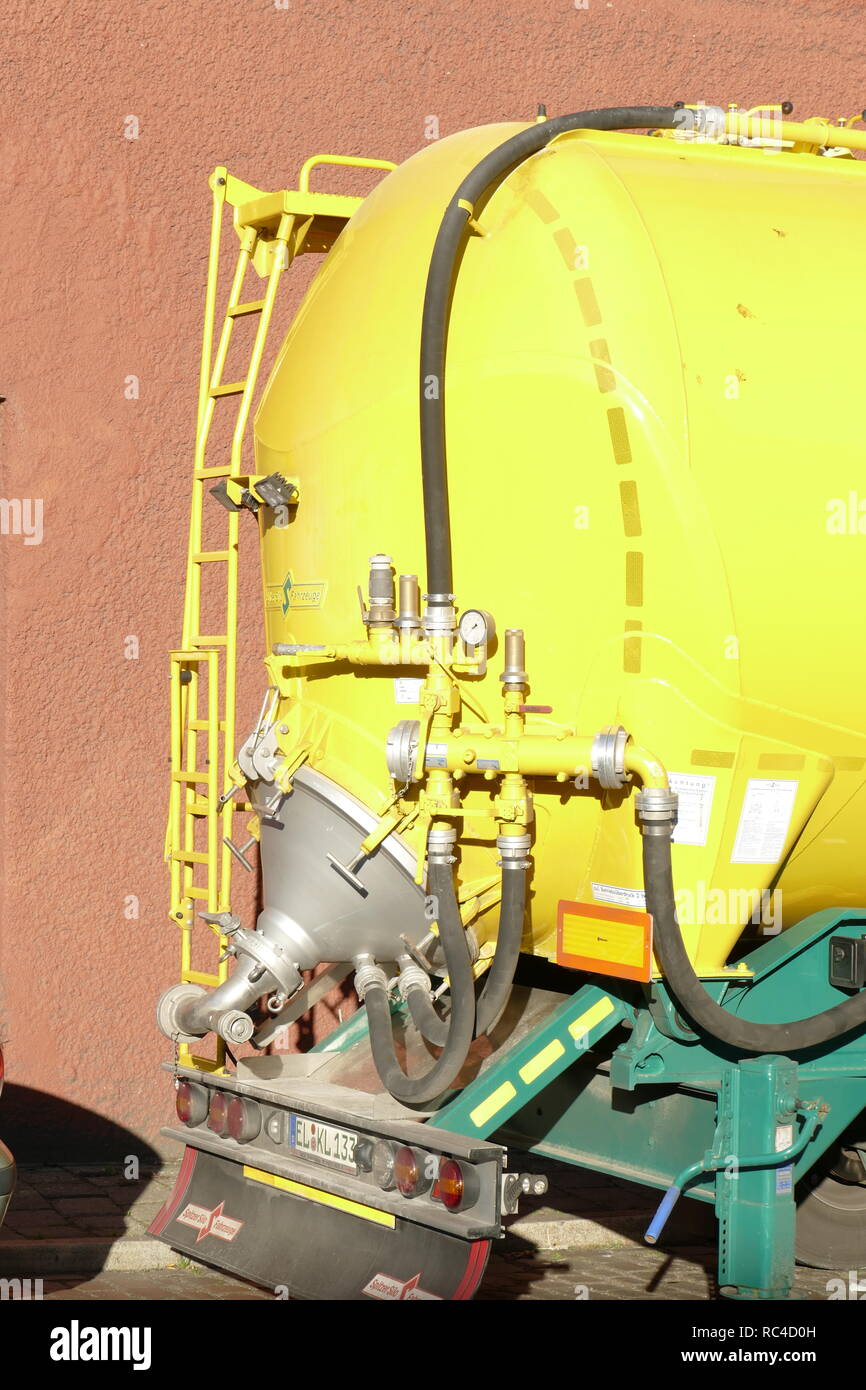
x=441, y=277
x=500, y=977
x=423, y=1013
x=725, y=1027
x=461, y=1025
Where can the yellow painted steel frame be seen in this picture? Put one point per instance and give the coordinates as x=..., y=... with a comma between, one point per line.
x=272, y=229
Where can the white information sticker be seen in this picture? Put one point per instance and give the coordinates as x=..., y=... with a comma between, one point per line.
x=620, y=897
x=695, y=795
x=764, y=820
x=407, y=689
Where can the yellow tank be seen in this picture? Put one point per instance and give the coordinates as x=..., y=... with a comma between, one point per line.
x=654, y=447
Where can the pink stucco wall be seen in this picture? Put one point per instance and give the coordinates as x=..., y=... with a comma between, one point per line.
x=104, y=242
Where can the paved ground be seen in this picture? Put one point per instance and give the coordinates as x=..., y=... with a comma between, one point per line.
x=83, y=1232
x=536, y=1275
x=57, y=1204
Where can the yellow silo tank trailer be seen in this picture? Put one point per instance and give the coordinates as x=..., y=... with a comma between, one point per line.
x=561, y=754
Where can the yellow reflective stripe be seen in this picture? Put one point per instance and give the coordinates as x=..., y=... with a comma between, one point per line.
x=325, y=1199
x=541, y=1061
x=581, y=1026
x=494, y=1102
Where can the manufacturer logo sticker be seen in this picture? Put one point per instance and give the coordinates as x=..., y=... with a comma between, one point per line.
x=209, y=1223
x=394, y=1290
x=296, y=593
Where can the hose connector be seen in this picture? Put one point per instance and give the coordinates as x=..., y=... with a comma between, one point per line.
x=412, y=977
x=607, y=757
x=657, y=810
x=368, y=974
x=513, y=852
x=440, y=618
x=440, y=843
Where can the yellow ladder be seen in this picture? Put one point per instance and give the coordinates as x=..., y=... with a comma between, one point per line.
x=206, y=792
x=273, y=228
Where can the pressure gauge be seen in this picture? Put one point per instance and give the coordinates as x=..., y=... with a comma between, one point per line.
x=476, y=627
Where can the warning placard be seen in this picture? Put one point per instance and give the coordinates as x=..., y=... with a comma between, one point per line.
x=764, y=820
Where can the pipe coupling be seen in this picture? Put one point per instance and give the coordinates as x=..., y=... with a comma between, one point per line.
x=440, y=843
x=513, y=851
x=657, y=810
x=607, y=757
x=367, y=974
x=270, y=956
x=439, y=614
x=412, y=977
x=401, y=750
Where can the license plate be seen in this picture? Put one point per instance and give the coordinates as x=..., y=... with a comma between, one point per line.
x=325, y=1143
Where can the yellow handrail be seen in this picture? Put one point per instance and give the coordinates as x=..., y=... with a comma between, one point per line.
x=348, y=160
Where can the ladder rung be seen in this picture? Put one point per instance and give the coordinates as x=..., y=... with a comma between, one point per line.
x=209, y=641
x=252, y=306
x=190, y=856
x=212, y=473
x=200, y=977
x=203, y=724
x=231, y=388
x=195, y=892
x=194, y=776
x=202, y=556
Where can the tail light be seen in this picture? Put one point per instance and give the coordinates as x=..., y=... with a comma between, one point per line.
x=244, y=1119
x=410, y=1173
x=191, y=1102
x=458, y=1185
x=218, y=1115
x=382, y=1166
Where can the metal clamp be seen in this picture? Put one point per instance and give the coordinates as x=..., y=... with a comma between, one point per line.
x=269, y=957
x=367, y=974
x=401, y=749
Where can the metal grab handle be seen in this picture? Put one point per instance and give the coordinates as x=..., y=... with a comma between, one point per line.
x=348, y=160
x=708, y=1164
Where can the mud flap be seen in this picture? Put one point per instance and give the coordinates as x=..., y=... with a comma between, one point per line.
x=303, y=1247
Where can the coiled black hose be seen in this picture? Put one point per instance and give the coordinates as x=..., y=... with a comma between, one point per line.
x=441, y=277
x=693, y=999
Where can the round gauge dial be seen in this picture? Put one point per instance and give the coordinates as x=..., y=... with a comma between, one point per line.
x=475, y=627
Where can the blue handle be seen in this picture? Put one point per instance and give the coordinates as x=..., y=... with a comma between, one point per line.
x=666, y=1206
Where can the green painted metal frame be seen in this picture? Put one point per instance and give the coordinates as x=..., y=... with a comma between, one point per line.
x=614, y=1080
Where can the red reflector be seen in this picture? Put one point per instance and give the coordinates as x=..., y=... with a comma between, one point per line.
x=451, y=1183
x=244, y=1119
x=218, y=1116
x=191, y=1102
x=407, y=1171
